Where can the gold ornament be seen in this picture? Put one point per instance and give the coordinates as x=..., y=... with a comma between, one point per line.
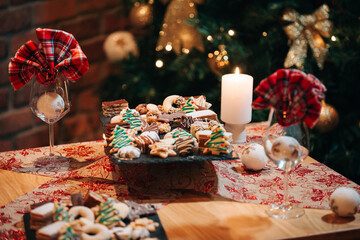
x=141, y=15
x=329, y=118
x=218, y=60
x=304, y=30
x=176, y=33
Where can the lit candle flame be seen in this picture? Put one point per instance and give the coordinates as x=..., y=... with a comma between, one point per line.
x=237, y=70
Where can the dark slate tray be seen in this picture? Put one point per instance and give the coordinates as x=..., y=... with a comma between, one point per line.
x=159, y=231
x=150, y=159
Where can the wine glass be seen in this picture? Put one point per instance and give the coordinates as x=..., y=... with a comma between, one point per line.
x=286, y=151
x=50, y=103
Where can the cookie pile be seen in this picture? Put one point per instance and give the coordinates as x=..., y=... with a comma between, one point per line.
x=92, y=217
x=186, y=126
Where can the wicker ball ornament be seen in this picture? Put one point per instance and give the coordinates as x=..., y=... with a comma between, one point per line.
x=141, y=15
x=329, y=118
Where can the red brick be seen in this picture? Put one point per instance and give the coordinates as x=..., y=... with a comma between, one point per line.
x=4, y=75
x=90, y=78
x=84, y=27
x=22, y=96
x=5, y=145
x=3, y=3
x=114, y=20
x=93, y=48
x=20, y=39
x=95, y=5
x=54, y=10
x=74, y=128
x=4, y=96
x=15, y=120
x=15, y=19
x=88, y=101
x=35, y=137
x=17, y=2
x=3, y=48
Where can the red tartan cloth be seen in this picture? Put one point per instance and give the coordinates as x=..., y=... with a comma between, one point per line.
x=58, y=52
x=292, y=93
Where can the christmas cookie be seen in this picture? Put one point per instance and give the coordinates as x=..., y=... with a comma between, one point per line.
x=217, y=143
x=186, y=145
x=172, y=103
x=162, y=149
x=108, y=215
x=113, y=108
x=189, y=106
x=143, y=142
x=83, y=212
x=128, y=152
x=206, y=115
x=95, y=232
x=141, y=108
x=120, y=139
x=177, y=133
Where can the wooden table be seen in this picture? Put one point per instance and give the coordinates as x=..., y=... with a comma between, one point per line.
x=206, y=216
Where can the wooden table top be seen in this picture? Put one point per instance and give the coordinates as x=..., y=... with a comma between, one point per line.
x=205, y=216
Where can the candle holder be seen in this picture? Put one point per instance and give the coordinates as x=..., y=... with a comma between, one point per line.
x=236, y=99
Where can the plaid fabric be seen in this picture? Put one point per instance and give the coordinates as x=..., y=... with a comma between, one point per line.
x=294, y=95
x=58, y=52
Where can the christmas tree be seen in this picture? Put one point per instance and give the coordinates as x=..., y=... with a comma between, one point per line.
x=256, y=36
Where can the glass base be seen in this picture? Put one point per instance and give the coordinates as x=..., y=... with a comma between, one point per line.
x=51, y=160
x=284, y=212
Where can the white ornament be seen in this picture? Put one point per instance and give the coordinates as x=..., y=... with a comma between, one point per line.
x=253, y=157
x=285, y=147
x=50, y=104
x=344, y=202
x=119, y=45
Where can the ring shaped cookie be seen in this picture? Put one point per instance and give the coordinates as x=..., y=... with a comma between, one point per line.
x=82, y=211
x=168, y=102
x=95, y=232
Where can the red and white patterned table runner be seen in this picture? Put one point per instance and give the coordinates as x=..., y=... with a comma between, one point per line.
x=87, y=167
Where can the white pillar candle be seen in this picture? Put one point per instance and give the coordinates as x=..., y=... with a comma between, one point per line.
x=236, y=98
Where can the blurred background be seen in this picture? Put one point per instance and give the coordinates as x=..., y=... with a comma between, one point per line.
x=143, y=51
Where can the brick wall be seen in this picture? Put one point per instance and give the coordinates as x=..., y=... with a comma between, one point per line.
x=90, y=21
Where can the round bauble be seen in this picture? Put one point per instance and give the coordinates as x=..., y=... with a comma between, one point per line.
x=141, y=15
x=328, y=119
x=344, y=202
x=50, y=104
x=253, y=157
x=119, y=45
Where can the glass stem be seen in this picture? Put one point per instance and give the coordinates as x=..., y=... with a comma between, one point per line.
x=51, y=139
x=286, y=188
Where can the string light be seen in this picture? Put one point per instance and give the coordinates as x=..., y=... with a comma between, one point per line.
x=185, y=50
x=159, y=63
x=264, y=34
x=231, y=32
x=333, y=38
x=209, y=38
x=168, y=47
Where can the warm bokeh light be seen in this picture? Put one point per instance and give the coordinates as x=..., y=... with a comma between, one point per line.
x=168, y=47
x=231, y=32
x=159, y=63
x=209, y=38
x=333, y=38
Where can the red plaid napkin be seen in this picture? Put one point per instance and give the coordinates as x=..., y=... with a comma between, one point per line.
x=57, y=52
x=293, y=94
